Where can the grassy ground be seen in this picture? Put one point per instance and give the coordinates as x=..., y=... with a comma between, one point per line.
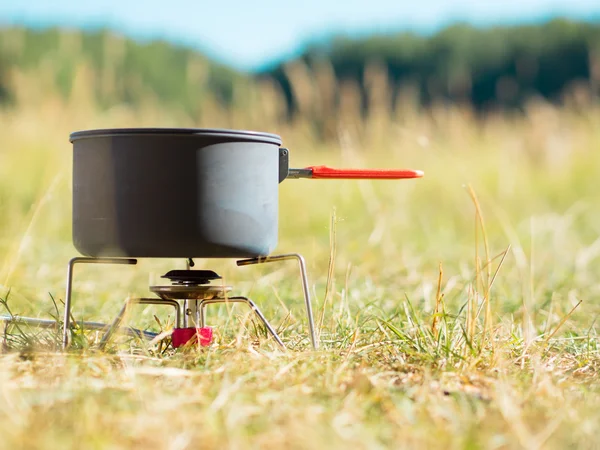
x=440, y=327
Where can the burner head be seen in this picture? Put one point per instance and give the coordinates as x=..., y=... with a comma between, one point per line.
x=191, y=277
x=187, y=292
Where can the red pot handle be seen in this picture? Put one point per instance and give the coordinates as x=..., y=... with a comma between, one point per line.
x=351, y=174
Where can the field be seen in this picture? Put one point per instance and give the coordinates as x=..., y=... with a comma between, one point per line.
x=455, y=311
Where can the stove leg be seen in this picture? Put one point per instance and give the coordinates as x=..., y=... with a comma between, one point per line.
x=307, y=302
x=248, y=302
x=304, y=276
x=70, y=267
x=200, y=314
x=138, y=301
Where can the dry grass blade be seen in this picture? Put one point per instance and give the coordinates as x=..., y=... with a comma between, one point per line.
x=486, y=287
x=504, y=253
x=330, y=270
x=562, y=321
x=438, y=303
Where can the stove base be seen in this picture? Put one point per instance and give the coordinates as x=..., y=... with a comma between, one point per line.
x=199, y=303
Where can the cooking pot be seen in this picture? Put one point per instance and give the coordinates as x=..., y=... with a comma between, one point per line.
x=183, y=193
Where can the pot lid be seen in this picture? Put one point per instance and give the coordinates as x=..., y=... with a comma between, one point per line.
x=245, y=135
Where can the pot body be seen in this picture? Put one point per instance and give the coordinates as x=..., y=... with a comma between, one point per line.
x=175, y=193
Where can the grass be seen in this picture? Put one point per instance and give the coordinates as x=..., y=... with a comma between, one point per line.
x=456, y=311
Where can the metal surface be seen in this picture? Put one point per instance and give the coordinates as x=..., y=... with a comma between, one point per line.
x=299, y=173
x=182, y=193
x=186, y=313
x=284, y=163
x=304, y=276
x=115, y=325
x=49, y=324
x=71, y=266
x=179, y=292
x=257, y=136
x=204, y=303
x=191, y=277
x=175, y=194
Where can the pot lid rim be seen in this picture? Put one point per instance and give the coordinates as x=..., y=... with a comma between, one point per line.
x=222, y=132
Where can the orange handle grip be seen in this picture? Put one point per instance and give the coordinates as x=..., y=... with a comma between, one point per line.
x=353, y=174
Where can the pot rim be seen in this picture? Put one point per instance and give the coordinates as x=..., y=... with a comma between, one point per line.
x=244, y=135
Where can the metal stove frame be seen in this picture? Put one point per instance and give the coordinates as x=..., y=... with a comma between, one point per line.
x=198, y=307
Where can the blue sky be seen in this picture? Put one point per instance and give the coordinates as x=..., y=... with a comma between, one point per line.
x=248, y=34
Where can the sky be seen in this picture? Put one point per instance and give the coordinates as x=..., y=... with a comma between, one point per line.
x=250, y=34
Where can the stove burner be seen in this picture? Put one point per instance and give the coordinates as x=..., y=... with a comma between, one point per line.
x=191, y=277
x=190, y=292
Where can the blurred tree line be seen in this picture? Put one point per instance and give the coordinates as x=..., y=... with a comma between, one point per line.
x=485, y=68
x=119, y=70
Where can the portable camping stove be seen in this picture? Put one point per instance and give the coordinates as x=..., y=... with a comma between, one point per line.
x=222, y=191
x=189, y=293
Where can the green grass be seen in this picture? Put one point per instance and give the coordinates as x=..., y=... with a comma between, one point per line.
x=420, y=349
